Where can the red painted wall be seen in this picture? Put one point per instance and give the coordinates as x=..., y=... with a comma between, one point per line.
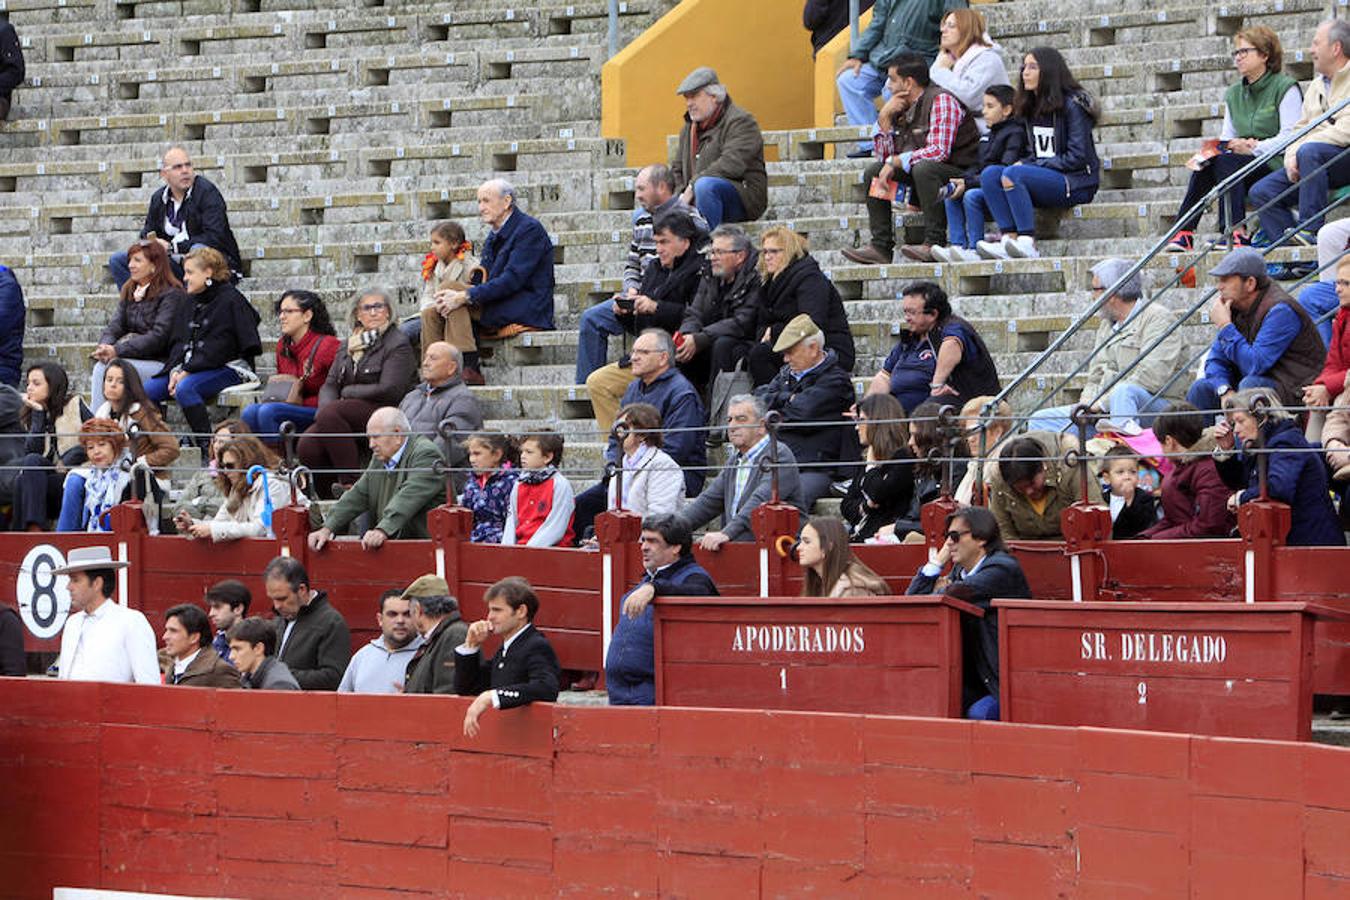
x=281, y=795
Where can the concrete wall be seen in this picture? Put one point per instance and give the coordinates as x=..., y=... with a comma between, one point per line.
x=258, y=795
x=758, y=47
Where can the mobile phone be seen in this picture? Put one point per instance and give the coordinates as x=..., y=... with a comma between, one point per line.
x=625, y=303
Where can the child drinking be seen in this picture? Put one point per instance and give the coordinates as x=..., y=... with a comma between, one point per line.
x=488, y=492
x=1133, y=508
x=1005, y=144
x=448, y=267
x=541, y=507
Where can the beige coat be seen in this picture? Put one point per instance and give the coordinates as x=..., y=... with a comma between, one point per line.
x=1120, y=346
x=856, y=582
x=1316, y=100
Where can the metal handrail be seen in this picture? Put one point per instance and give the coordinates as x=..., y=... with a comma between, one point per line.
x=1203, y=204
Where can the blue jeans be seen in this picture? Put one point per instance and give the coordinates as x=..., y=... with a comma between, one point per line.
x=1204, y=394
x=121, y=272
x=145, y=367
x=965, y=219
x=984, y=709
x=597, y=324
x=1126, y=403
x=71, y=517
x=264, y=419
x=858, y=93
x=194, y=389
x=716, y=199
x=1034, y=187
x=1312, y=194
x=1318, y=299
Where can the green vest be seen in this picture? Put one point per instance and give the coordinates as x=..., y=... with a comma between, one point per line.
x=1255, y=108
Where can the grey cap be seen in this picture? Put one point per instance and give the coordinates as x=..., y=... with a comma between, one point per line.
x=1108, y=270
x=697, y=80
x=1243, y=261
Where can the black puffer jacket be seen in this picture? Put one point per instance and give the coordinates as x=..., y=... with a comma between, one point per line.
x=803, y=288
x=143, y=329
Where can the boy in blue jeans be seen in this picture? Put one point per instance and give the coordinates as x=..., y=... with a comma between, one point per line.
x=1005, y=144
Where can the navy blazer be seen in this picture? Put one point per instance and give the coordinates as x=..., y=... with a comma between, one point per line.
x=528, y=673
x=204, y=214
x=518, y=259
x=630, y=667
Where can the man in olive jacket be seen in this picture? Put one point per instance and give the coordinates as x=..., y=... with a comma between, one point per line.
x=1033, y=486
x=718, y=166
x=398, y=488
x=436, y=615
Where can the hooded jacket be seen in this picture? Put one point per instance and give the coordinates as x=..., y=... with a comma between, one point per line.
x=1194, y=499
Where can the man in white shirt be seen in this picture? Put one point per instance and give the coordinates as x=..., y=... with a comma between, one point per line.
x=381, y=666
x=103, y=640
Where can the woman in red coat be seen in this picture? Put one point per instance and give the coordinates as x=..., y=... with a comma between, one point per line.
x=306, y=350
x=1328, y=389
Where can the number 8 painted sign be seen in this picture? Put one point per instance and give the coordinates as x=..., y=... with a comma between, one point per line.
x=44, y=601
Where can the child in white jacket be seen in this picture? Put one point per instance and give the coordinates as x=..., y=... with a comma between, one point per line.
x=653, y=483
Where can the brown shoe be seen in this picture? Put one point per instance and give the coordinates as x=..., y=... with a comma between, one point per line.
x=867, y=256
x=918, y=252
x=473, y=377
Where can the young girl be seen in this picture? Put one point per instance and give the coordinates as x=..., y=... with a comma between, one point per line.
x=92, y=490
x=125, y=402
x=249, y=506
x=448, y=267
x=653, y=483
x=488, y=492
x=1060, y=168
x=542, y=502
x=829, y=568
x=1003, y=145
x=52, y=417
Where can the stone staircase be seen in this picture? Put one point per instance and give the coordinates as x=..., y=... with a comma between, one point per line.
x=340, y=135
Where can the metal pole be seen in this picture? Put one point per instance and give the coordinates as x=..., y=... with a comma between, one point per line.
x=614, y=26
x=854, y=11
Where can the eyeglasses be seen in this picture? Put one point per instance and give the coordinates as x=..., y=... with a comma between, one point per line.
x=295, y=310
x=372, y=307
x=715, y=252
x=1243, y=51
x=955, y=536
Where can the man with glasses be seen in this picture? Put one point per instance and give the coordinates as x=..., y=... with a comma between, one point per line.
x=719, y=326
x=981, y=569
x=189, y=212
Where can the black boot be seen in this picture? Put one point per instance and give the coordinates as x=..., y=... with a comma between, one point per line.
x=199, y=420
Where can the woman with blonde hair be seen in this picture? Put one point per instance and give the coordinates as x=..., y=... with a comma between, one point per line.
x=829, y=568
x=794, y=284
x=968, y=61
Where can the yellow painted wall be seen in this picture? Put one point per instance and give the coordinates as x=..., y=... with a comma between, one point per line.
x=828, y=60
x=759, y=48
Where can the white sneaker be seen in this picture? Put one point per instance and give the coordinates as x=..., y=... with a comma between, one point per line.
x=961, y=254
x=991, y=249
x=943, y=254
x=1021, y=247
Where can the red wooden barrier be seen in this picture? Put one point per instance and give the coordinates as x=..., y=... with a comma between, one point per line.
x=274, y=795
x=895, y=655
x=1237, y=669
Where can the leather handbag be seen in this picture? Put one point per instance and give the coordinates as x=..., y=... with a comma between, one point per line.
x=289, y=388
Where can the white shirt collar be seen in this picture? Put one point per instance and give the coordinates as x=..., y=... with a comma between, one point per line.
x=512, y=639
x=180, y=665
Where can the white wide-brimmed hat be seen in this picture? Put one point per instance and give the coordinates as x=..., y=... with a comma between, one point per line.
x=82, y=559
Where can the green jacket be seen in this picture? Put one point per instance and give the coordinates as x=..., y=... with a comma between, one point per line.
x=397, y=500
x=1120, y=346
x=900, y=25
x=732, y=149
x=1017, y=520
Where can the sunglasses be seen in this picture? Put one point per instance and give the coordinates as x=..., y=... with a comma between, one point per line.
x=955, y=536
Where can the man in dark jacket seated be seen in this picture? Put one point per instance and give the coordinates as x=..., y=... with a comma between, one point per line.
x=812, y=388
x=436, y=615
x=518, y=258
x=667, y=556
x=719, y=326
x=188, y=212
x=524, y=670
x=719, y=161
x=312, y=637
x=982, y=569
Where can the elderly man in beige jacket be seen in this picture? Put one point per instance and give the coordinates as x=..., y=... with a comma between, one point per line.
x=1129, y=325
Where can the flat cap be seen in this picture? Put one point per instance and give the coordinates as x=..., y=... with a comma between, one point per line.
x=1243, y=261
x=427, y=586
x=697, y=80
x=797, y=330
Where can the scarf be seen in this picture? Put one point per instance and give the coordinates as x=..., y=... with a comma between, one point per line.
x=102, y=491
x=697, y=131
x=537, y=476
x=363, y=339
x=138, y=293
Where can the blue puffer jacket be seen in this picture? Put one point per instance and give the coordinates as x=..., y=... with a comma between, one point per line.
x=12, y=311
x=1075, y=152
x=630, y=668
x=1298, y=478
x=518, y=259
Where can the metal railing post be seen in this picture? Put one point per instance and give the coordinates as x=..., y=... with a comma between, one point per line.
x=854, y=11
x=613, y=28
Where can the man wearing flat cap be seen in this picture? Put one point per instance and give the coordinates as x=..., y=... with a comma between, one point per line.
x=103, y=640
x=718, y=166
x=1265, y=338
x=812, y=388
x=1128, y=326
x=380, y=667
x=436, y=614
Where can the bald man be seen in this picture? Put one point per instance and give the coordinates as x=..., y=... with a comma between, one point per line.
x=188, y=212
x=443, y=397
x=398, y=488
